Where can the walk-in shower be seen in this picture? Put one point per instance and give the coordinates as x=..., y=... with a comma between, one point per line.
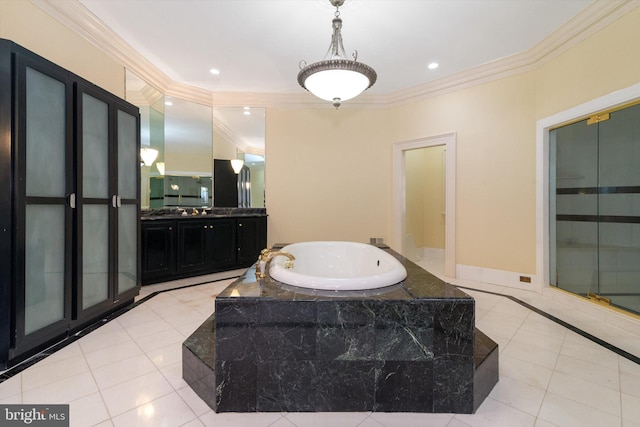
x=594, y=201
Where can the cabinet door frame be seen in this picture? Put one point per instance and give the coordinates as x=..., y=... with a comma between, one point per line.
x=182, y=266
x=250, y=244
x=216, y=227
x=112, y=202
x=168, y=229
x=6, y=189
x=21, y=341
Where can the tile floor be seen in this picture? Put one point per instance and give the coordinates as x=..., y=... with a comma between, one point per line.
x=128, y=372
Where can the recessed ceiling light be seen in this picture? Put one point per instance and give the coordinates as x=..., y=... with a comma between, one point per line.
x=214, y=71
x=432, y=66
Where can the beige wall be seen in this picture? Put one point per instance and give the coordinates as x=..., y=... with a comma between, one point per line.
x=604, y=63
x=30, y=27
x=328, y=174
x=223, y=149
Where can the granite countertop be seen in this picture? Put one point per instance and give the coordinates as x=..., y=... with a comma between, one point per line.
x=419, y=285
x=177, y=213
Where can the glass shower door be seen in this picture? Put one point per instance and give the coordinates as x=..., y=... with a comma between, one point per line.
x=619, y=201
x=595, y=238
x=574, y=167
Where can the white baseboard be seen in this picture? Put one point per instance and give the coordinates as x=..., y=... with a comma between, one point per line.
x=496, y=277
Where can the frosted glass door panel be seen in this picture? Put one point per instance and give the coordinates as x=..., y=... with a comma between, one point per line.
x=95, y=254
x=128, y=157
x=619, y=162
x=619, y=176
x=577, y=156
x=620, y=264
x=577, y=256
x=127, y=247
x=45, y=135
x=44, y=266
x=95, y=148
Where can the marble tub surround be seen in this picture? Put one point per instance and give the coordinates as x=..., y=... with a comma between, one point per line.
x=405, y=348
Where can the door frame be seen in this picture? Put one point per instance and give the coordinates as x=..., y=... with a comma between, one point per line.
x=399, y=194
x=543, y=126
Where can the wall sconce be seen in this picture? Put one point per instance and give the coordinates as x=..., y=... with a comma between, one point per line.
x=160, y=166
x=148, y=155
x=237, y=164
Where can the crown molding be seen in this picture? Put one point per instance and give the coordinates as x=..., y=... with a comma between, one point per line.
x=592, y=19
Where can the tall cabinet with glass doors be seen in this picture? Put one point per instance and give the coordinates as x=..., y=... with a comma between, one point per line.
x=69, y=229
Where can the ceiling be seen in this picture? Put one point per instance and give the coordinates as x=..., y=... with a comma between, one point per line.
x=258, y=44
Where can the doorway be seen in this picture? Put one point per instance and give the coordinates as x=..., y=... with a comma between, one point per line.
x=411, y=221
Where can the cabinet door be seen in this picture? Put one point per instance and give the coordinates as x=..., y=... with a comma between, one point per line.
x=94, y=204
x=158, y=250
x=127, y=196
x=222, y=243
x=44, y=177
x=192, y=247
x=108, y=220
x=252, y=238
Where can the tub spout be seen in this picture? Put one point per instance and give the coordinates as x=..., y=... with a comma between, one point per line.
x=266, y=255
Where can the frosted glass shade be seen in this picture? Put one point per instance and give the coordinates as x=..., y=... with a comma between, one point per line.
x=148, y=155
x=337, y=79
x=237, y=164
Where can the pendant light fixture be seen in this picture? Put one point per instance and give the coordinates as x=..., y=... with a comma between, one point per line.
x=336, y=78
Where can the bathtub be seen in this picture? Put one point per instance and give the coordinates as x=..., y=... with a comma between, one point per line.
x=333, y=265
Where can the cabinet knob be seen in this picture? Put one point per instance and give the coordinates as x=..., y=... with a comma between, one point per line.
x=170, y=228
x=206, y=226
x=240, y=225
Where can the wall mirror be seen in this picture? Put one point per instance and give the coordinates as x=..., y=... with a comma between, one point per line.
x=187, y=140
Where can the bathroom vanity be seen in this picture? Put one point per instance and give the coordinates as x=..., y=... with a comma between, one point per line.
x=178, y=243
x=410, y=347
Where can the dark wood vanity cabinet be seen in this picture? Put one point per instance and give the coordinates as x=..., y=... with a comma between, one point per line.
x=252, y=238
x=178, y=248
x=159, y=251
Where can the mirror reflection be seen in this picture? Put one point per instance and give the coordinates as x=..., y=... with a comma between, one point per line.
x=188, y=142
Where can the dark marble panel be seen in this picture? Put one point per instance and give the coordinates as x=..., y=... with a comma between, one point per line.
x=235, y=386
x=199, y=375
x=236, y=342
x=400, y=342
x=287, y=386
x=404, y=387
x=454, y=325
x=202, y=340
x=236, y=311
x=286, y=341
x=453, y=386
x=345, y=330
x=404, y=331
x=345, y=386
x=486, y=374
